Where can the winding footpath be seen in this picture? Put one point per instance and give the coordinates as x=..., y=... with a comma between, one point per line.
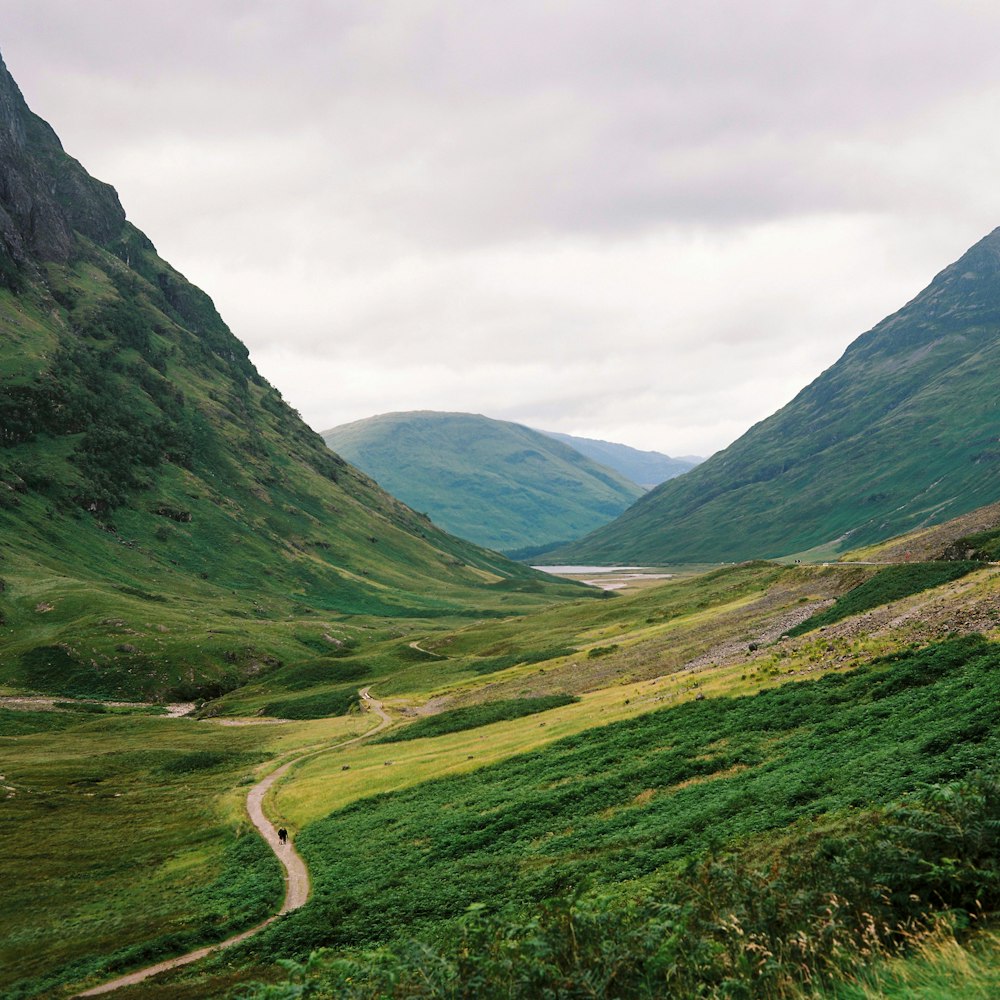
x=296, y=872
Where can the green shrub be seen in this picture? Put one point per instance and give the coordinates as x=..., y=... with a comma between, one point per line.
x=772, y=923
x=491, y=664
x=338, y=701
x=459, y=719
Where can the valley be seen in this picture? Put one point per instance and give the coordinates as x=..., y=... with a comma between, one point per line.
x=761, y=762
x=688, y=649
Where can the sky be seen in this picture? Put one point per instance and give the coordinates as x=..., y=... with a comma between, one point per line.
x=645, y=221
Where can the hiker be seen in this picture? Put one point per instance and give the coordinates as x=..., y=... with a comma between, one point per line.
x=282, y=836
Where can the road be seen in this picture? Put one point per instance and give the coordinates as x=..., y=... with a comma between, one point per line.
x=296, y=872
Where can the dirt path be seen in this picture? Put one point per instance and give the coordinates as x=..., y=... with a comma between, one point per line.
x=296, y=872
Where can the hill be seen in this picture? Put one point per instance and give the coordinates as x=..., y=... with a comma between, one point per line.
x=167, y=522
x=497, y=483
x=900, y=433
x=647, y=468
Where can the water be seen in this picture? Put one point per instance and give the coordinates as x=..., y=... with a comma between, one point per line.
x=608, y=577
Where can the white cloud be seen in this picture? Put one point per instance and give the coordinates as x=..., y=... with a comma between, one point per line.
x=637, y=221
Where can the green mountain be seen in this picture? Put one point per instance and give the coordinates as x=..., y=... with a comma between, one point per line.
x=647, y=468
x=901, y=432
x=165, y=517
x=500, y=484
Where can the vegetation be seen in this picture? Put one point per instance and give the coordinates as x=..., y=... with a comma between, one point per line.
x=890, y=584
x=315, y=706
x=754, y=923
x=714, y=777
x=496, y=483
x=460, y=719
x=128, y=844
x=685, y=781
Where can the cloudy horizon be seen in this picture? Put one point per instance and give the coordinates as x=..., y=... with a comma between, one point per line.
x=642, y=222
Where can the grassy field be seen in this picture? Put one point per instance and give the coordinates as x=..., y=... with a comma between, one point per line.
x=127, y=838
x=711, y=744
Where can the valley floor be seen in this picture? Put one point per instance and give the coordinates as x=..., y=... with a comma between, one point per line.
x=652, y=723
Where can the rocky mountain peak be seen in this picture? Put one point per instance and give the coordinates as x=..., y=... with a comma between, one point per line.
x=45, y=196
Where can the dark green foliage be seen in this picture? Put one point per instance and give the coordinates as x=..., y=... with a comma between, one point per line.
x=635, y=798
x=890, y=584
x=318, y=644
x=322, y=671
x=202, y=760
x=752, y=923
x=338, y=701
x=984, y=546
x=491, y=664
x=597, y=651
x=474, y=716
x=56, y=670
x=15, y=722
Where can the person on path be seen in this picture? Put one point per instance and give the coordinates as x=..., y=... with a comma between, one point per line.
x=282, y=836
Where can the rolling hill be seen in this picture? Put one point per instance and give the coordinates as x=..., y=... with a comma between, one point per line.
x=647, y=468
x=161, y=506
x=900, y=433
x=494, y=482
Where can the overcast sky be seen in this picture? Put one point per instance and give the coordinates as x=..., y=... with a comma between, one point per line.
x=648, y=222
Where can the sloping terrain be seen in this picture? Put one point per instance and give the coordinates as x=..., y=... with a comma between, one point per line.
x=900, y=433
x=647, y=468
x=497, y=483
x=632, y=744
x=161, y=506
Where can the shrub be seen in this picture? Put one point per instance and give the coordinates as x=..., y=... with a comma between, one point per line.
x=459, y=719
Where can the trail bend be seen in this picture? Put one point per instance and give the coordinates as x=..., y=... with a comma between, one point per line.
x=296, y=873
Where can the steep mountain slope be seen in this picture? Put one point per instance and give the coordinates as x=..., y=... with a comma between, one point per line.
x=496, y=483
x=901, y=432
x=647, y=468
x=152, y=483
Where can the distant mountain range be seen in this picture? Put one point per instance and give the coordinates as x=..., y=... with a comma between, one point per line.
x=497, y=483
x=903, y=431
x=647, y=468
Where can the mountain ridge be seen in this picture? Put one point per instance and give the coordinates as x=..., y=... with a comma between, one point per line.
x=900, y=432
x=154, y=487
x=645, y=468
x=498, y=483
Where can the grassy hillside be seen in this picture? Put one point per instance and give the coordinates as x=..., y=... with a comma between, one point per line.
x=647, y=468
x=900, y=433
x=642, y=731
x=165, y=517
x=497, y=483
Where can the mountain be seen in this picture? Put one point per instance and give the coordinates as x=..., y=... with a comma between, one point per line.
x=901, y=432
x=167, y=522
x=647, y=468
x=497, y=483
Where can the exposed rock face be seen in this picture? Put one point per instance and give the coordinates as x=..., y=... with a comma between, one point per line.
x=45, y=195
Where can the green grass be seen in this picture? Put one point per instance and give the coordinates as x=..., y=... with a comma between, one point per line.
x=942, y=968
x=636, y=798
x=890, y=584
x=458, y=720
x=320, y=705
x=125, y=841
